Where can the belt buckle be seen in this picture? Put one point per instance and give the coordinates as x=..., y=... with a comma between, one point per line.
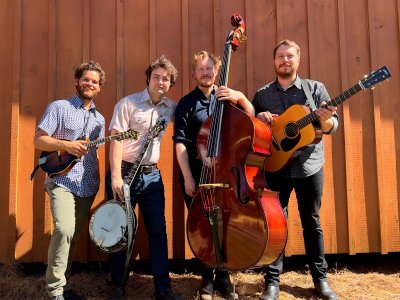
x=146, y=169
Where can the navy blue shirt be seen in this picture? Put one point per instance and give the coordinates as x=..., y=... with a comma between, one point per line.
x=276, y=100
x=192, y=111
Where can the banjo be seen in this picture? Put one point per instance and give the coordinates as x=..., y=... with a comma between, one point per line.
x=113, y=225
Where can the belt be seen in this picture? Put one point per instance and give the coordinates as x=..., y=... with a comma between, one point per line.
x=145, y=169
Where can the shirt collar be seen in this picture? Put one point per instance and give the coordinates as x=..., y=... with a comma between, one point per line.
x=296, y=83
x=145, y=97
x=78, y=103
x=213, y=92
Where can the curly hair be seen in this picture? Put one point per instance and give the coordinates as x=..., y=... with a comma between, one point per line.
x=165, y=63
x=91, y=66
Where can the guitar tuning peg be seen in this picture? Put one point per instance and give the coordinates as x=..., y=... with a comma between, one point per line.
x=372, y=88
x=365, y=76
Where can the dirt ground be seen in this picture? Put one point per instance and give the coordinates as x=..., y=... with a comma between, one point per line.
x=369, y=276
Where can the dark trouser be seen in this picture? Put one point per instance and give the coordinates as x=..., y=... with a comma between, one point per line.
x=147, y=190
x=309, y=195
x=207, y=273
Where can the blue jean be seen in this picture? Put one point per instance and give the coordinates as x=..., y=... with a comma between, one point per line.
x=147, y=190
x=309, y=195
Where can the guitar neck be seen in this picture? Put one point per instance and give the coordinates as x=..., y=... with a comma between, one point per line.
x=303, y=122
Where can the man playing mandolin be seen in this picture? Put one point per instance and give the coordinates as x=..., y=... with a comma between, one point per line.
x=306, y=175
x=192, y=111
x=65, y=126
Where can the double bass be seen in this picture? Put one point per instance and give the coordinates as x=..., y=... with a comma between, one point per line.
x=234, y=221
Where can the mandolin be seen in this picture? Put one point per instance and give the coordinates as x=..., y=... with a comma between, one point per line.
x=60, y=162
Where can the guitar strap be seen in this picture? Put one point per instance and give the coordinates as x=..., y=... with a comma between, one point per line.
x=310, y=99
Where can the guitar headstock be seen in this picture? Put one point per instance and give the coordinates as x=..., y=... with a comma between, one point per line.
x=236, y=36
x=129, y=134
x=160, y=125
x=375, y=77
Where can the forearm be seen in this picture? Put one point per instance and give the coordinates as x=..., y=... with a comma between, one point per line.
x=44, y=142
x=115, y=158
x=246, y=104
x=183, y=160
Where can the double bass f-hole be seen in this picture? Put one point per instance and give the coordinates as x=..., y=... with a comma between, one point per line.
x=244, y=199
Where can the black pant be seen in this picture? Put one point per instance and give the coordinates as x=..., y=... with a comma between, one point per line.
x=309, y=195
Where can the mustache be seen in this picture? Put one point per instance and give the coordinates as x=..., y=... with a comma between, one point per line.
x=285, y=65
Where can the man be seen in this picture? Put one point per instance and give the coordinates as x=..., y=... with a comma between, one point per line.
x=306, y=175
x=192, y=111
x=140, y=111
x=65, y=126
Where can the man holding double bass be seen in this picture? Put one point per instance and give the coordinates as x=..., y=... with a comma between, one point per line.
x=192, y=111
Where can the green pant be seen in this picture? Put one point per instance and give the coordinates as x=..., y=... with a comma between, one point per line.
x=69, y=213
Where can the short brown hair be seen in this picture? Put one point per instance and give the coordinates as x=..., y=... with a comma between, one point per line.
x=91, y=66
x=204, y=54
x=287, y=43
x=165, y=63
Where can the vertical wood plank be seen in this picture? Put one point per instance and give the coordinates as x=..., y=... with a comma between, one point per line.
x=13, y=232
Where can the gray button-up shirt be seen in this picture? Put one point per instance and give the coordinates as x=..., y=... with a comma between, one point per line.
x=274, y=99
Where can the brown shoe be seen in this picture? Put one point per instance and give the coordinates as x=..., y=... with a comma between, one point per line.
x=271, y=292
x=324, y=290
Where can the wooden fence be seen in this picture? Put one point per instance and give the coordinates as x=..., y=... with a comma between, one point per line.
x=42, y=40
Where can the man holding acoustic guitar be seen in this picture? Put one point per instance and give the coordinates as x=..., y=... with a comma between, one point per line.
x=302, y=170
x=65, y=127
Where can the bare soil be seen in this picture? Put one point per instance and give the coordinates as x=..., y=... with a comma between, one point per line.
x=370, y=276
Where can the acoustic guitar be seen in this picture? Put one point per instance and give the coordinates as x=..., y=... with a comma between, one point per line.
x=60, y=162
x=294, y=129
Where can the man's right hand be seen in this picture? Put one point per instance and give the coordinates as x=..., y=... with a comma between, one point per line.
x=190, y=186
x=117, y=188
x=76, y=148
x=267, y=117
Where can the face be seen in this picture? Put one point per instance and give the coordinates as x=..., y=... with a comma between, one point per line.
x=160, y=82
x=88, y=85
x=286, y=61
x=205, y=73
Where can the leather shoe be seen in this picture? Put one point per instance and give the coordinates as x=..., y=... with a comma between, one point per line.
x=271, y=292
x=71, y=295
x=324, y=290
x=225, y=287
x=167, y=295
x=206, y=290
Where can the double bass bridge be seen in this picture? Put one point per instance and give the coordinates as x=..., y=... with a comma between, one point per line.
x=214, y=185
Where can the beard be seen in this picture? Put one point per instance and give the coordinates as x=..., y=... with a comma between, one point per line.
x=205, y=82
x=85, y=93
x=286, y=72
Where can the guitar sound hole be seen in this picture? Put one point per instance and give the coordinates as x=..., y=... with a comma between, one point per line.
x=291, y=130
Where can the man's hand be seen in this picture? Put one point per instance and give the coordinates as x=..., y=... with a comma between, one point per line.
x=267, y=117
x=190, y=186
x=117, y=188
x=76, y=148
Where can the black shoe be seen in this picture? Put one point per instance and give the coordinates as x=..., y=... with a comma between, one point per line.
x=324, y=290
x=271, y=292
x=206, y=290
x=71, y=295
x=225, y=287
x=167, y=295
x=115, y=292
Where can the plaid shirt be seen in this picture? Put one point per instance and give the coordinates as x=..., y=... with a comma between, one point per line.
x=68, y=120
